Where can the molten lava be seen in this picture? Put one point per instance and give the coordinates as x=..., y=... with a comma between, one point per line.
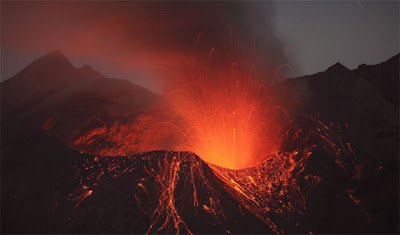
x=225, y=115
x=276, y=191
x=229, y=118
x=219, y=110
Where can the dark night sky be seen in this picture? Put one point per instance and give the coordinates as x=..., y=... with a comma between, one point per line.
x=321, y=33
x=123, y=39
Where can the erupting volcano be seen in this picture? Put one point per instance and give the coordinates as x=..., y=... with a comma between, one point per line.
x=208, y=134
x=229, y=118
x=225, y=133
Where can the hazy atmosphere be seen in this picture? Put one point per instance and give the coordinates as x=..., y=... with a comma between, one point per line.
x=124, y=39
x=199, y=117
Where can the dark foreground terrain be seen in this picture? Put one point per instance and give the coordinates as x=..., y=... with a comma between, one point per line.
x=39, y=172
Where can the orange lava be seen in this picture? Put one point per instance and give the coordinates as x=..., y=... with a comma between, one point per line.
x=229, y=118
x=276, y=191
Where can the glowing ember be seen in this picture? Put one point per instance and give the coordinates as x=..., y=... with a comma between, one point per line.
x=220, y=111
x=228, y=116
x=276, y=191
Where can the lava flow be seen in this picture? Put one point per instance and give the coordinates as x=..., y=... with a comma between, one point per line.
x=249, y=147
x=168, y=184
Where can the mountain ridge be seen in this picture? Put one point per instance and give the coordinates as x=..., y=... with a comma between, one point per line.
x=39, y=168
x=51, y=85
x=337, y=67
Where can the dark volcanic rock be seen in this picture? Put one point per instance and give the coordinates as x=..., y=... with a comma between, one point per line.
x=338, y=67
x=127, y=202
x=51, y=81
x=365, y=99
x=37, y=170
x=51, y=88
x=384, y=76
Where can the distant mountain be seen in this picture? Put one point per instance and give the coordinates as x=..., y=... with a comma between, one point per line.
x=365, y=98
x=340, y=94
x=384, y=76
x=44, y=77
x=53, y=77
x=365, y=102
x=52, y=88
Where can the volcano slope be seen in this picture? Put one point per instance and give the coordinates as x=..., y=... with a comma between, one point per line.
x=177, y=192
x=35, y=167
x=47, y=187
x=366, y=101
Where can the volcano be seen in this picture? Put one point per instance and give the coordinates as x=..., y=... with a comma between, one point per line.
x=58, y=122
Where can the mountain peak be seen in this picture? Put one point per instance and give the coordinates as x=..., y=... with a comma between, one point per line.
x=50, y=68
x=362, y=66
x=337, y=68
x=56, y=56
x=51, y=62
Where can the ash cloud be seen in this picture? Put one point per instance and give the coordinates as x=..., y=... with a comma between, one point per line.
x=123, y=39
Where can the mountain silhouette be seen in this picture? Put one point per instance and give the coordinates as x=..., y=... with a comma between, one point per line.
x=338, y=67
x=384, y=76
x=52, y=87
x=52, y=96
x=366, y=101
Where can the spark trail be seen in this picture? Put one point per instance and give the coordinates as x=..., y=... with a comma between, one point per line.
x=229, y=137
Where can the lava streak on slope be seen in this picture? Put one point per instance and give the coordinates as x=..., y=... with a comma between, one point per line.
x=277, y=190
x=175, y=188
x=250, y=151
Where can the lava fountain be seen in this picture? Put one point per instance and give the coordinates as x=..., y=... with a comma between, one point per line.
x=225, y=114
x=229, y=118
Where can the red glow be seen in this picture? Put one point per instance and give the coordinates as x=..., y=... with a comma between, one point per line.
x=124, y=39
x=219, y=110
x=229, y=119
x=275, y=191
x=228, y=115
